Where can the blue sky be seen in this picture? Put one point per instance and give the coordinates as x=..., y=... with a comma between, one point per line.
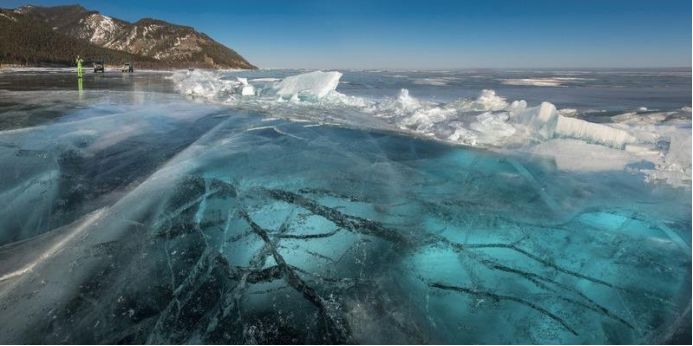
x=430, y=34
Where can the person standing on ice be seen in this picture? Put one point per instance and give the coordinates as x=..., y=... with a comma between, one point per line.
x=80, y=70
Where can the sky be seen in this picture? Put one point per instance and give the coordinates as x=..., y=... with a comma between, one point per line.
x=429, y=34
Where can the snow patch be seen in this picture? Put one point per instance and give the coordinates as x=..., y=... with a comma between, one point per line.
x=266, y=79
x=8, y=17
x=23, y=9
x=102, y=28
x=442, y=81
x=542, y=82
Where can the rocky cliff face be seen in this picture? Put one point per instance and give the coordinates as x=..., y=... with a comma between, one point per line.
x=171, y=45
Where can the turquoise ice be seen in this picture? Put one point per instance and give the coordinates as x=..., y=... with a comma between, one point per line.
x=151, y=218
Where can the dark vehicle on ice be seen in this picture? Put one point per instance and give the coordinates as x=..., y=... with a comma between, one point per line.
x=127, y=67
x=98, y=66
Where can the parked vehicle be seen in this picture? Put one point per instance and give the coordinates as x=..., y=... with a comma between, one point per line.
x=127, y=67
x=98, y=66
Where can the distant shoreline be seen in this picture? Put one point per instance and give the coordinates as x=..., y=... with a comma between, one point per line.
x=108, y=68
x=53, y=66
x=689, y=69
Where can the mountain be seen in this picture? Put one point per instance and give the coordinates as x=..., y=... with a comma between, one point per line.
x=36, y=35
x=25, y=41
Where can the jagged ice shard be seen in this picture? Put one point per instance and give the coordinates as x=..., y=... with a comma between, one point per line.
x=244, y=207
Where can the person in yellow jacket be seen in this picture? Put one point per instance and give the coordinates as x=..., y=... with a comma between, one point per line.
x=80, y=70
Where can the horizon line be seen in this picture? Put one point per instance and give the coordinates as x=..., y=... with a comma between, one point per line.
x=486, y=68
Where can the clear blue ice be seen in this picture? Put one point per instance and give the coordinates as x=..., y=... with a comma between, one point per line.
x=133, y=214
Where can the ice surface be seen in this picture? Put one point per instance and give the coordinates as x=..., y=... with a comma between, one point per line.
x=491, y=129
x=674, y=165
x=541, y=120
x=318, y=252
x=406, y=102
x=246, y=89
x=506, y=125
x=488, y=101
x=592, y=133
x=204, y=84
x=313, y=84
x=515, y=124
x=546, y=122
x=577, y=155
x=142, y=217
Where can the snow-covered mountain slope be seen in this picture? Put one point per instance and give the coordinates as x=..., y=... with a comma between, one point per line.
x=172, y=45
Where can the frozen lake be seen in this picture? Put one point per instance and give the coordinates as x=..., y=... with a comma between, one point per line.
x=368, y=207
